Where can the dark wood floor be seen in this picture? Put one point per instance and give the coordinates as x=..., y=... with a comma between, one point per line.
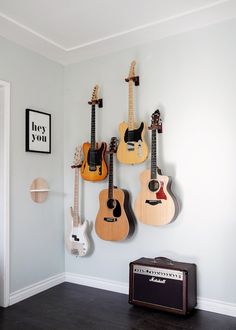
x=70, y=306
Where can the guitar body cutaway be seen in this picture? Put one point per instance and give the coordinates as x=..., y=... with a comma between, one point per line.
x=95, y=170
x=157, y=207
x=113, y=221
x=132, y=148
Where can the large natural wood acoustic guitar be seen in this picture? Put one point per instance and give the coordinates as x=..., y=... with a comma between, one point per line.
x=94, y=167
x=77, y=241
x=155, y=204
x=115, y=218
x=132, y=148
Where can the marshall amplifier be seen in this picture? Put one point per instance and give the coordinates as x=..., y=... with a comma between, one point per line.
x=163, y=284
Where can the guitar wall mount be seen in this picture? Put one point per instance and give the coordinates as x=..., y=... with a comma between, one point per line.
x=99, y=102
x=135, y=80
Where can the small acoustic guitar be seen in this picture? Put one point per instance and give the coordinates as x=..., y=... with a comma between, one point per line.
x=77, y=241
x=132, y=148
x=94, y=167
x=155, y=204
x=115, y=216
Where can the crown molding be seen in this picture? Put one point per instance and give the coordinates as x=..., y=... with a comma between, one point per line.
x=210, y=14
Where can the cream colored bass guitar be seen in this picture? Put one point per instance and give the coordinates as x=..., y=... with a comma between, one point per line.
x=77, y=241
x=132, y=148
x=155, y=204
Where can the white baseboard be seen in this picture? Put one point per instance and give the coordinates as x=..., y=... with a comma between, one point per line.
x=97, y=282
x=209, y=305
x=216, y=306
x=38, y=287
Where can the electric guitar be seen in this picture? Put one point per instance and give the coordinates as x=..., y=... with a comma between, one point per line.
x=77, y=240
x=94, y=167
x=155, y=204
x=114, y=215
x=132, y=148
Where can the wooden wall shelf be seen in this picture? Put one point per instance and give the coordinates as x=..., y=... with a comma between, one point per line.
x=39, y=190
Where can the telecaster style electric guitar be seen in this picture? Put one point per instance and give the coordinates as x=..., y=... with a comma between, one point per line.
x=115, y=217
x=94, y=167
x=77, y=240
x=132, y=148
x=155, y=204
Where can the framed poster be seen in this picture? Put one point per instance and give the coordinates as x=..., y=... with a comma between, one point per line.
x=37, y=131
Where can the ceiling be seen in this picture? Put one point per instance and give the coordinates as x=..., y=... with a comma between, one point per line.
x=69, y=31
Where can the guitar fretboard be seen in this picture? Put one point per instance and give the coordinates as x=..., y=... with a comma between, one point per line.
x=93, y=127
x=154, y=155
x=131, y=119
x=110, y=184
x=76, y=198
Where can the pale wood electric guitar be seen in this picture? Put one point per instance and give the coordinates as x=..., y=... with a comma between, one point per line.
x=132, y=148
x=155, y=204
x=77, y=241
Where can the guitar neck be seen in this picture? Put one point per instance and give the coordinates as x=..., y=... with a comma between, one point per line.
x=110, y=183
x=76, y=198
x=131, y=119
x=93, y=127
x=154, y=155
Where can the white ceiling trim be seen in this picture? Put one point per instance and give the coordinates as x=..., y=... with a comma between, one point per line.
x=209, y=14
x=26, y=28
x=145, y=26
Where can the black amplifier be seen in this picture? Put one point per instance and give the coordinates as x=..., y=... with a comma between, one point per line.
x=163, y=284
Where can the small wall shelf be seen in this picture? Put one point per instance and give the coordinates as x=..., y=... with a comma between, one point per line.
x=39, y=190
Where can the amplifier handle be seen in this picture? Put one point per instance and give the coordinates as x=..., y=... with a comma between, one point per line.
x=165, y=260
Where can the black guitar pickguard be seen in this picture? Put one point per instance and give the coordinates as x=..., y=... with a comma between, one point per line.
x=95, y=158
x=135, y=135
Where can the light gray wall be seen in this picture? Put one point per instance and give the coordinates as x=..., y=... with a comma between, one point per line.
x=1, y=196
x=191, y=78
x=36, y=230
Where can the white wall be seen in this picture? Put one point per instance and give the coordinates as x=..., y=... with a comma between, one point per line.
x=1, y=195
x=36, y=230
x=191, y=78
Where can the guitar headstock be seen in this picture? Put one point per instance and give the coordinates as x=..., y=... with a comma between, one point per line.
x=113, y=145
x=132, y=70
x=94, y=99
x=132, y=76
x=156, y=122
x=77, y=157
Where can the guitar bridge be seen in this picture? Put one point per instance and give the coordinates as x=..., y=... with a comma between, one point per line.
x=110, y=219
x=152, y=202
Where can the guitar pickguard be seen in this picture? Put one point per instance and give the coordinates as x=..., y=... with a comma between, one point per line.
x=160, y=194
x=95, y=159
x=134, y=135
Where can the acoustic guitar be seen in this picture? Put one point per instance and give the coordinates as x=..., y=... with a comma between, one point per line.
x=114, y=216
x=94, y=167
x=155, y=204
x=77, y=241
x=132, y=148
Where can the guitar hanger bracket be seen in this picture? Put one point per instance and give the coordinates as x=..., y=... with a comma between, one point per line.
x=135, y=80
x=99, y=102
x=76, y=166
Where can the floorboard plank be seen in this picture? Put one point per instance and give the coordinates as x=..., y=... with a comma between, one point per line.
x=69, y=306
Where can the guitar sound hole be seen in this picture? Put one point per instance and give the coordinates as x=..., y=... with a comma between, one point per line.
x=153, y=185
x=111, y=203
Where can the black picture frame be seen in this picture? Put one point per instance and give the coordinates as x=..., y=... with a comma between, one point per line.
x=37, y=131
